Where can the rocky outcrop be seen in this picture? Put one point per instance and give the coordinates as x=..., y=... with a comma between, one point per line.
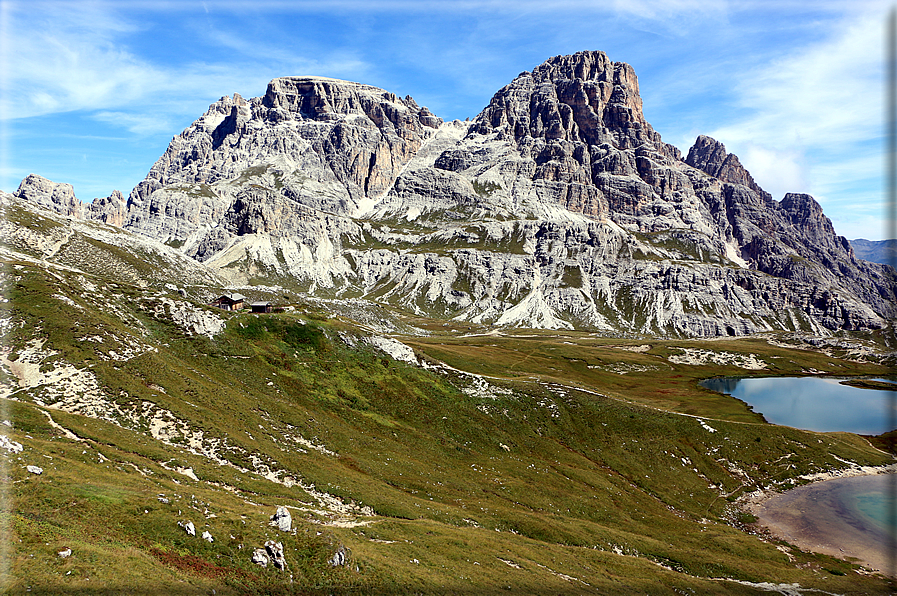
x=53, y=196
x=60, y=198
x=282, y=519
x=710, y=156
x=582, y=99
x=111, y=210
x=340, y=557
x=188, y=527
x=260, y=557
x=274, y=551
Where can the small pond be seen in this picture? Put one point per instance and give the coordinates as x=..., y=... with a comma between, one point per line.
x=821, y=404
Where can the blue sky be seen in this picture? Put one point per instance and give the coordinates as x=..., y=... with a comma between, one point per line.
x=92, y=92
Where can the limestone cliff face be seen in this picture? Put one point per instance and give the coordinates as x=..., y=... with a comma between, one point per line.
x=53, y=196
x=111, y=210
x=710, y=156
x=558, y=206
x=327, y=143
x=60, y=198
x=584, y=98
x=274, y=166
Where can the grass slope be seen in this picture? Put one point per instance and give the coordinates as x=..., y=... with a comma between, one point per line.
x=529, y=464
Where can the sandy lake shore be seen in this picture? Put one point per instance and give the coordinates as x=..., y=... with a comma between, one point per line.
x=815, y=518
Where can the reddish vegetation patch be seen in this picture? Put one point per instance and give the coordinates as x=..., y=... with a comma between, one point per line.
x=197, y=566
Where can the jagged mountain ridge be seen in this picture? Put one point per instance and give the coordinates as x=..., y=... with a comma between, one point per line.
x=558, y=206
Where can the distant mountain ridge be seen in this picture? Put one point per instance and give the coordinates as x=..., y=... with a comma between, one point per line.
x=877, y=251
x=558, y=206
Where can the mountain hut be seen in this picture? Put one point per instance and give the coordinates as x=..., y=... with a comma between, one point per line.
x=260, y=307
x=232, y=301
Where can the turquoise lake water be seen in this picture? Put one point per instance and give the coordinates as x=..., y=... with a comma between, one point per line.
x=823, y=404
x=813, y=403
x=876, y=507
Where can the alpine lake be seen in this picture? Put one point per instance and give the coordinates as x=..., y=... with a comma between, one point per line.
x=822, y=404
x=861, y=503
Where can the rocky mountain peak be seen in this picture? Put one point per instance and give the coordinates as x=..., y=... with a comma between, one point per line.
x=319, y=142
x=111, y=210
x=53, y=196
x=805, y=213
x=60, y=198
x=558, y=206
x=584, y=97
x=325, y=99
x=710, y=156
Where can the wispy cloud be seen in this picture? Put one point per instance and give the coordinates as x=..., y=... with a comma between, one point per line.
x=59, y=67
x=80, y=59
x=818, y=105
x=139, y=124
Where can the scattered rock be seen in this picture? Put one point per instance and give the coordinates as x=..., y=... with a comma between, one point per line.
x=394, y=348
x=10, y=445
x=282, y=519
x=34, y=469
x=207, y=536
x=275, y=551
x=188, y=527
x=259, y=557
x=340, y=557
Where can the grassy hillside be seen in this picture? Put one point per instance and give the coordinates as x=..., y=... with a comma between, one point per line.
x=521, y=463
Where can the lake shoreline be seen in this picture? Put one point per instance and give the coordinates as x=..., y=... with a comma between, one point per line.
x=818, y=403
x=779, y=514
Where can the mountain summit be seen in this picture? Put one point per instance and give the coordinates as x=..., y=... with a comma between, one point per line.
x=558, y=206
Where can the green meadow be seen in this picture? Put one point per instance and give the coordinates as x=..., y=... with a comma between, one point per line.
x=525, y=462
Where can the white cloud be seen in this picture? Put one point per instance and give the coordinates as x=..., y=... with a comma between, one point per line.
x=782, y=170
x=139, y=124
x=58, y=67
x=823, y=100
x=78, y=59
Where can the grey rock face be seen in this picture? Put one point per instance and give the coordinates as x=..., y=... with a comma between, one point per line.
x=316, y=142
x=53, y=196
x=260, y=557
x=710, y=156
x=282, y=519
x=111, y=210
x=274, y=550
x=340, y=557
x=188, y=527
x=60, y=198
x=559, y=206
